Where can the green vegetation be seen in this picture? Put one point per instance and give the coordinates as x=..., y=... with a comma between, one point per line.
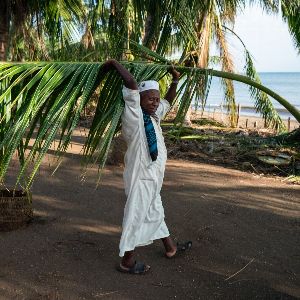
x=45, y=100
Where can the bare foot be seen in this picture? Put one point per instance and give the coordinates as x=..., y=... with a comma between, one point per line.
x=180, y=247
x=170, y=247
x=171, y=253
x=128, y=259
x=137, y=268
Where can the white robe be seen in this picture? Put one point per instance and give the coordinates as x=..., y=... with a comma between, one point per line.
x=143, y=219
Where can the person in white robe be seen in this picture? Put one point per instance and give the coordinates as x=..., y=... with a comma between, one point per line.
x=144, y=218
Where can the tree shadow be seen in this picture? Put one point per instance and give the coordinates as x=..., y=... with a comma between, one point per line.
x=71, y=249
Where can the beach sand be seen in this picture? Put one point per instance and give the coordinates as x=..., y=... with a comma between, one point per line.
x=250, y=122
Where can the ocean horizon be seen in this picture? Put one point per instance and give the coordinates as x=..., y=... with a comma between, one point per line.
x=286, y=84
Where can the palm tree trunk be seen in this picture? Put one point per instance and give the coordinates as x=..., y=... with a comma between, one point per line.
x=4, y=28
x=203, y=33
x=150, y=34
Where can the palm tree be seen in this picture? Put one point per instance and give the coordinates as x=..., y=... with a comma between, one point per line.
x=28, y=27
x=47, y=98
x=291, y=14
x=4, y=29
x=189, y=27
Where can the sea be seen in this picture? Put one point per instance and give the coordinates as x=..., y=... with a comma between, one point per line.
x=285, y=84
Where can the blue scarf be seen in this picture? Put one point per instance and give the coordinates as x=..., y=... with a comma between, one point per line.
x=150, y=135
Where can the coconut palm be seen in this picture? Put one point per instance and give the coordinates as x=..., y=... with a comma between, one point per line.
x=45, y=100
x=291, y=14
x=188, y=27
x=30, y=29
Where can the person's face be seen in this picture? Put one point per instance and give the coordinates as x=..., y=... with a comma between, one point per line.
x=150, y=101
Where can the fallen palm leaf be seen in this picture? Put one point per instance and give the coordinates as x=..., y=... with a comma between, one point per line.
x=274, y=157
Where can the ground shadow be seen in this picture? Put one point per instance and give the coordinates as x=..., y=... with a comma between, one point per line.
x=234, y=219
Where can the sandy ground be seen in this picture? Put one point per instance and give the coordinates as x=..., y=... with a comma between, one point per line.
x=245, y=231
x=250, y=122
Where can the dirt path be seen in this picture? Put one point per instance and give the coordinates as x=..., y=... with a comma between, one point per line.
x=233, y=218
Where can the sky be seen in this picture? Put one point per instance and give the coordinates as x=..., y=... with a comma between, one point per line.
x=268, y=40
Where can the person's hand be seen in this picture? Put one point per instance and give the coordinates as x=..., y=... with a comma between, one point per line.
x=174, y=73
x=128, y=79
x=108, y=65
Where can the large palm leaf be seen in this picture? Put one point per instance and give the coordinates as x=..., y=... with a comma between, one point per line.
x=291, y=14
x=262, y=101
x=168, y=25
x=44, y=101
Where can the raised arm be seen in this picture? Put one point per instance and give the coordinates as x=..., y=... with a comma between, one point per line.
x=171, y=93
x=129, y=80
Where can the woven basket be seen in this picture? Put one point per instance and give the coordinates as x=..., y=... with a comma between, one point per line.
x=15, y=209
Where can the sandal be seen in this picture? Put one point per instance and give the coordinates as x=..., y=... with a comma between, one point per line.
x=180, y=248
x=137, y=268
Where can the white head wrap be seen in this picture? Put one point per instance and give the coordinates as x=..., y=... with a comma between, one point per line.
x=148, y=85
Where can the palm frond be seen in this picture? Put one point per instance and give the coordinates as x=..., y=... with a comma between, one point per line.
x=227, y=66
x=42, y=102
x=291, y=14
x=262, y=102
